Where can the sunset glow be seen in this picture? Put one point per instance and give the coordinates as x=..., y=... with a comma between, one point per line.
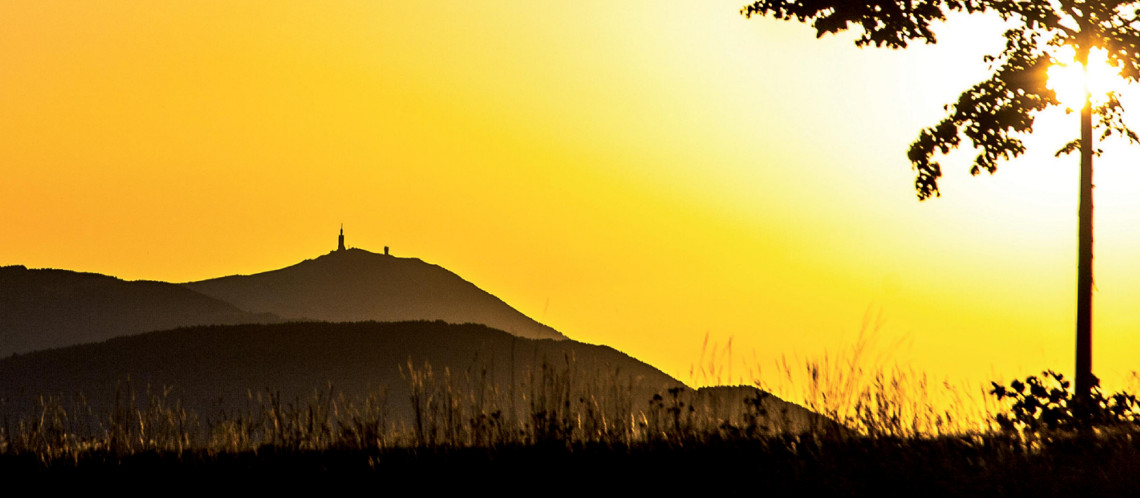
x=637, y=174
x=1067, y=78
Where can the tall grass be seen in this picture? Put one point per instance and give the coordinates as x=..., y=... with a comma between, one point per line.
x=863, y=387
x=553, y=404
x=868, y=397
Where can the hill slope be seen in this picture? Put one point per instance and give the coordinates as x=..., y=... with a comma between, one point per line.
x=214, y=370
x=41, y=309
x=357, y=285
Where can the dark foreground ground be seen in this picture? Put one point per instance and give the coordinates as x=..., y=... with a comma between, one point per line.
x=980, y=466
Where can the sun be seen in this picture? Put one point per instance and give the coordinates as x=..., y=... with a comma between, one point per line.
x=1067, y=77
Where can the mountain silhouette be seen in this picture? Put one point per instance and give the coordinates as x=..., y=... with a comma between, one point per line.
x=42, y=309
x=357, y=285
x=49, y=308
x=215, y=370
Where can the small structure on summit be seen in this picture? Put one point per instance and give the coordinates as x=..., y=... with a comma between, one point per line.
x=340, y=242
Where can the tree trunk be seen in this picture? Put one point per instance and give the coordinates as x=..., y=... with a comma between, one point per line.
x=1084, y=377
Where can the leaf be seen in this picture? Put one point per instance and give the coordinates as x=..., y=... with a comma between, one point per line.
x=1068, y=148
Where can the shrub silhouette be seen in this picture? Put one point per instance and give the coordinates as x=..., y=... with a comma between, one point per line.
x=1046, y=404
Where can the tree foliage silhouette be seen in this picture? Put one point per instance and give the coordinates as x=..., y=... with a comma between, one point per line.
x=993, y=113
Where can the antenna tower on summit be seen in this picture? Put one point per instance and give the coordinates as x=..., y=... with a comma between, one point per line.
x=340, y=240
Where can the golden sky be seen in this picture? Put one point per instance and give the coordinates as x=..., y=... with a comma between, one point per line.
x=637, y=173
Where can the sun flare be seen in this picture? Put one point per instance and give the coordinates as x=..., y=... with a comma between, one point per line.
x=1067, y=77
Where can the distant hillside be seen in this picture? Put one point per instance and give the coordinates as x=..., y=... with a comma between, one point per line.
x=216, y=369
x=41, y=309
x=356, y=285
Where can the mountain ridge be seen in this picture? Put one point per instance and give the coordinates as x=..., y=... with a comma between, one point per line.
x=46, y=308
x=355, y=285
x=217, y=341
x=50, y=308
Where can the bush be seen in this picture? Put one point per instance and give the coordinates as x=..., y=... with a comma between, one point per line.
x=1047, y=404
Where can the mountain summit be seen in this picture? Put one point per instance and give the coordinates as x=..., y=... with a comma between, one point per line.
x=349, y=285
x=48, y=308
